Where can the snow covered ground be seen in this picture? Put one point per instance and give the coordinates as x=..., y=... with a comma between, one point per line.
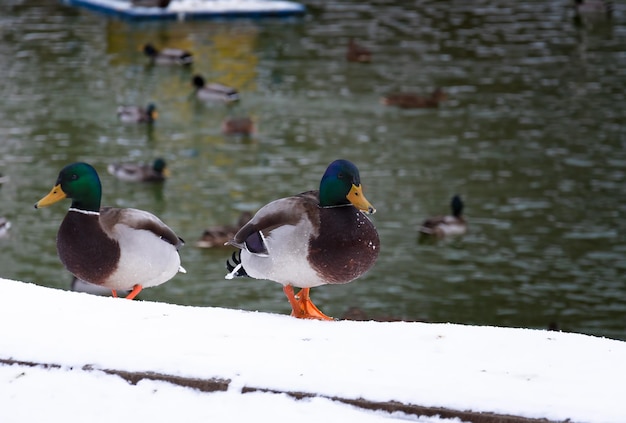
x=77, y=357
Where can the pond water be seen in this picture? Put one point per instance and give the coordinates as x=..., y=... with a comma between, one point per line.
x=533, y=136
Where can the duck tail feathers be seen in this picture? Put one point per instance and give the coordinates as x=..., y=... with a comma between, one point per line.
x=235, y=268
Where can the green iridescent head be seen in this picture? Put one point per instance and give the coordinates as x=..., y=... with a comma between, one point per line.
x=341, y=185
x=78, y=181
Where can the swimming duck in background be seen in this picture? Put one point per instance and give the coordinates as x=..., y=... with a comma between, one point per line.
x=415, y=101
x=5, y=224
x=136, y=114
x=139, y=172
x=357, y=53
x=238, y=125
x=310, y=239
x=590, y=11
x=441, y=226
x=213, y=91
x=120, y=249
x=162, y=4
x=217, y=236
x=168, y=56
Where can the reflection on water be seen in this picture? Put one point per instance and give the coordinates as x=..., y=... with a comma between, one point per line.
x=532, y=136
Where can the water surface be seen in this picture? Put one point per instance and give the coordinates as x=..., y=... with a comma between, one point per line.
x=532, y=136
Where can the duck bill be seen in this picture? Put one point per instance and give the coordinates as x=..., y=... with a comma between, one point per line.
x=167, y=173
x=53, y=196
x=358, y=200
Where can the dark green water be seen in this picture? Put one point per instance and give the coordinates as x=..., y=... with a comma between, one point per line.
x=533, y=137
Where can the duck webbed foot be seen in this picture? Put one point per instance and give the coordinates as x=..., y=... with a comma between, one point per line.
x=301, y=305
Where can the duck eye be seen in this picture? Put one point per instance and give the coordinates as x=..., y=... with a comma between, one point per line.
x=74, y=177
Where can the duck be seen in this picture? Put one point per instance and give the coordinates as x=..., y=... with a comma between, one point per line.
x=161, y=4
x=357, y=53
x=310, y=239
x=140, y=172
x=213, y=91
x=218, y=236
x=592, y=12
x=137, y=114
x=441, y=226
x=238, y=125
x=415, y=101
x=168, y=56
x=117, y=248
x=5, y=224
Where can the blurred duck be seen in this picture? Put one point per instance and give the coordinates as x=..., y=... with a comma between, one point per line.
x=137, y=172
x=217, y=236
x=132, y=114
x=592, y=11
x=238, y=125
x=414, y=101
x=213, y=91
x=120, y=249
x=5, y=224
x=168, y=56
x=357, y=53
x=151, y=3
x=441, y=226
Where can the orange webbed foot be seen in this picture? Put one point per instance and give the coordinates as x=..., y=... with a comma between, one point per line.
x=301, y=305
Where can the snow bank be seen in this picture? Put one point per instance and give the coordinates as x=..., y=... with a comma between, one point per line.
x=59, y=347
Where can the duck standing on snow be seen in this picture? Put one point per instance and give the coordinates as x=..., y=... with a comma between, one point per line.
x=213, y=91
x=415, y=101
x=310, y=239
x=121, y=249
x=137, y=172
x=168, y=56
x=441, y=226
x=136, y=114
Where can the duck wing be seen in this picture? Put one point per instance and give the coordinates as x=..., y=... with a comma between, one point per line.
x=285, y=211
x=139, y=220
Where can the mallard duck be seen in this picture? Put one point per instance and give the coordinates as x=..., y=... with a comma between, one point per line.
x=121, y=249
x=168, y=56
x=415, y=101
x=310, y=239
x=213, y=91
x=5, y=224
x=238, y=125
x=217, y=236
x=162, y=4
x=357, y=53
x=447, y=225
x=136, y=114
x=594, y=7
x=592, y=12
x=139, y=172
